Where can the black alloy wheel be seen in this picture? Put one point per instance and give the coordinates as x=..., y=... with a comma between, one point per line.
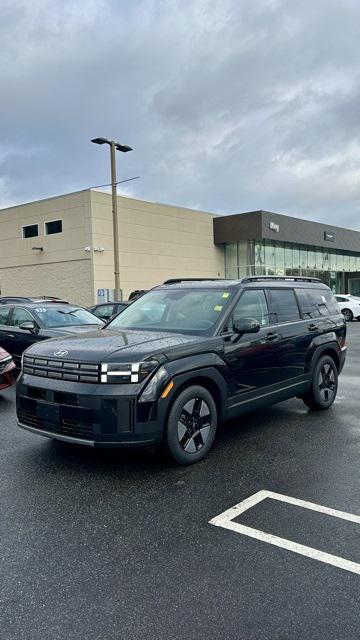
x=324, y=384
x=327, y=383
x=191, y=425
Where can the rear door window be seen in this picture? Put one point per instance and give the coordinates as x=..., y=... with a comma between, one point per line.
x=4, y=314
x=283, y=305
x=316, y=303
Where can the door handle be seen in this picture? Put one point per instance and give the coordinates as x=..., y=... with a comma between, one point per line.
x=10, y=335
x=271, y=337
x=313, y=327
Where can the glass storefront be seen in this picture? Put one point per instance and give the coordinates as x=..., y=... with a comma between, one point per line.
x=266, y=257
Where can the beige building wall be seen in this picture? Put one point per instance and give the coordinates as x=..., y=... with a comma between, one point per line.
x=68, y=280
x=63, y=268
x=157, y=242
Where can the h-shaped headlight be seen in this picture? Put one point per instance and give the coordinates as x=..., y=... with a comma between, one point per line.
x=120, y=372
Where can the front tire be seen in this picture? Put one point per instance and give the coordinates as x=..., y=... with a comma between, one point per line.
x=324, y=385
x=191, y=425
x=348, y=315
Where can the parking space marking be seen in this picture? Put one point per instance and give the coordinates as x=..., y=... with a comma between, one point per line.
x=226, y=520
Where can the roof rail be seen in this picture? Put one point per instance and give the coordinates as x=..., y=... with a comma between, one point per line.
x=176, y=280
x=282, y=278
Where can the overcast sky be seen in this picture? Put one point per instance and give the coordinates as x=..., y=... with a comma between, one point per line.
x=230, y=105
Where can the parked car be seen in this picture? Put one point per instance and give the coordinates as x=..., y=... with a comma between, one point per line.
x=349, y=305
x=18, y=299
x=7, y=367
x=23, y=324
x=108, y=310
x=134, y=295
x=183, y=357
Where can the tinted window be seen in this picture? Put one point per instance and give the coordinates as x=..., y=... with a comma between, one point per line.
x=315, y=303
x=341, y=299
x=55, y=226
x=252, y=304
x=4, y=312
x=20, y=316
x=283, y=305
x=30, y=231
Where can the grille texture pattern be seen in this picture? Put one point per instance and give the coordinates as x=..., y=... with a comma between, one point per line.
x=61, y=369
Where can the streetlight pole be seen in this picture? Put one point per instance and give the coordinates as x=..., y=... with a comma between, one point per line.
x=118, y=295
x=114, y=146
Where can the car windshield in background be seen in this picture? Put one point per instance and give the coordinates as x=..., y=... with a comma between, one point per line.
x=65, y=316
x=180, y=310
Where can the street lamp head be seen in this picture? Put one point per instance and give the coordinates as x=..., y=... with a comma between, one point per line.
x=122, y=147
x=100, y=141
x=119, y=147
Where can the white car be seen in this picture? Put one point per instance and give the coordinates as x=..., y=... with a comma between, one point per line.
x=349, y=305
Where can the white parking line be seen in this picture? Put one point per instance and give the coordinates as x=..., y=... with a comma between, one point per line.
x=226, y=520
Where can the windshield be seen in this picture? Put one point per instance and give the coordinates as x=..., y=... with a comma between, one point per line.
x=179, y=310
x=65, y=316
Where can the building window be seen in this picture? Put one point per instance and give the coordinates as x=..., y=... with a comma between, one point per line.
x=231, y=261
x=30, y=231
x=270, y=259
x=54, y=226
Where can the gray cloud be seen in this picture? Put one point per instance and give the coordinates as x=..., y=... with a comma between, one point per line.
x=230, y=105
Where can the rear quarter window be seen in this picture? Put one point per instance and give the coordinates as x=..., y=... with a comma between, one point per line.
x=315, y=303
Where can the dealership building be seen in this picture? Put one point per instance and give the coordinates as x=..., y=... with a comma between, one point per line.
x=63, y=246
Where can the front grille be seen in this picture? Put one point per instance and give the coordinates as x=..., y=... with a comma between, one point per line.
x=61, y=369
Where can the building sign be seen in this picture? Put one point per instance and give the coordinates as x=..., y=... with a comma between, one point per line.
x=329, y=236
x=274, y=227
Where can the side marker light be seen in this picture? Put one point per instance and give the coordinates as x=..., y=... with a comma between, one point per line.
x=167, y=389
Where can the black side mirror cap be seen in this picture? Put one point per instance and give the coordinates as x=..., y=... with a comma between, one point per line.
x=246, y=325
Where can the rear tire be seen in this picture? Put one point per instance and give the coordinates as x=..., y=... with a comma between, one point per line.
x=324, y=385
x=191, y=425
x=348, y=314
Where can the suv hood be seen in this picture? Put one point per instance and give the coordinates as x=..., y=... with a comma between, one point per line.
x=54, y=332
x=109, y=345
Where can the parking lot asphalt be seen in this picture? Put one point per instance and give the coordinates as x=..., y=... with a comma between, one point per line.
x=105, y=545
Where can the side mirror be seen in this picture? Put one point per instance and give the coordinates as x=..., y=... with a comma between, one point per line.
x=28, y=326
x=246, y=325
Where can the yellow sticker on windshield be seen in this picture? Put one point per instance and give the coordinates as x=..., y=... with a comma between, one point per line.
x=218, y=307
x=225, y=295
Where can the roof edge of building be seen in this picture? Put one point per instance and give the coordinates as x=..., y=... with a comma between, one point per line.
x=60, y=195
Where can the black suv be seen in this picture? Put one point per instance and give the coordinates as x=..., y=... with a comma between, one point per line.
x=181, y=358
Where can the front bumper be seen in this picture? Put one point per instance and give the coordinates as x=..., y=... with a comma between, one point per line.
x=342, y=358
x=94, y=415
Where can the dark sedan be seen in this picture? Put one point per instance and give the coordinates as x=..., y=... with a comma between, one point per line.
x=6, y=369
x=23, y=324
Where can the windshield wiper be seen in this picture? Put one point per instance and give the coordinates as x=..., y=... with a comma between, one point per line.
x=67, y=313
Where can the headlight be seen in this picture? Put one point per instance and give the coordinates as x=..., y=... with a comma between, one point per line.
x=120, y=372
